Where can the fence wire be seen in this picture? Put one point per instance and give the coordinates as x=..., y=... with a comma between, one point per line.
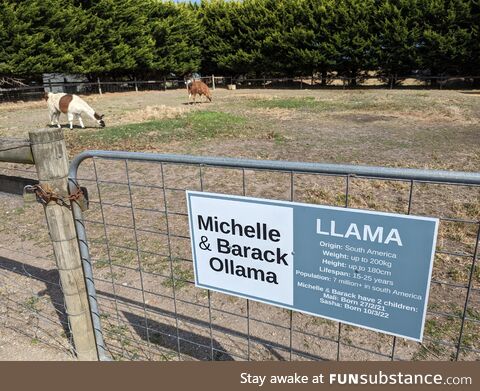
x=149, y=308
x=31, y=93
x=31, y=297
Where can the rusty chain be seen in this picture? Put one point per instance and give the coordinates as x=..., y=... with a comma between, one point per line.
x=45, y=195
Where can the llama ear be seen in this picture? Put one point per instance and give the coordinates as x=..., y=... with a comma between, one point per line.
x=101, y=116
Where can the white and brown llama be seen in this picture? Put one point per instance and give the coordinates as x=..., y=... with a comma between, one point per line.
x=73, y=106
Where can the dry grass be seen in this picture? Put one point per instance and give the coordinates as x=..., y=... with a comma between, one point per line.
x=422, y=129
x=14, y=106
x=151, y=113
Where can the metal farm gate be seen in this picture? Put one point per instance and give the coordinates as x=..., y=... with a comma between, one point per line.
x=138, y=265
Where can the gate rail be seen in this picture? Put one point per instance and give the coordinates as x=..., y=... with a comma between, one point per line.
x=412, y=176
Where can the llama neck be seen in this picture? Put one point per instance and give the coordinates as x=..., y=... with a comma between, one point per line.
x=90, y=112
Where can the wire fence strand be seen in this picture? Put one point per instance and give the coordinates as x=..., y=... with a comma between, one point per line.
x=163, y=310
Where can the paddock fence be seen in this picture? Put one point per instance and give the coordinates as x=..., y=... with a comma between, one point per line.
x=32, y=305
x=29, y=93
x=42, y=285
x=134, y=245
x=135, y=248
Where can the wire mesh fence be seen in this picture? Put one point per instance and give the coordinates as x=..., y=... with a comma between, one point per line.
x=149, y=308
x=360, y=82
x=31, y=298
x=31, y=93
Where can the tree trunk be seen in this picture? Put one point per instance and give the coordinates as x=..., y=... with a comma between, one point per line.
x=352, y=82
x=324, y=78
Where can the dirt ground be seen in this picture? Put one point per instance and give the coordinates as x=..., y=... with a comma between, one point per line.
x=30, y=325
x=399, y=128
x=16, y=347
x=409, y=128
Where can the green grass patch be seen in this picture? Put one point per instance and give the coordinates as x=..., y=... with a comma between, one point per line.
x=194, y=126
x=352, y=102
x=276, y=136
x=182, y=277
x=31, y=303
x=288, y=103
x=349, y=103
x=101, y=263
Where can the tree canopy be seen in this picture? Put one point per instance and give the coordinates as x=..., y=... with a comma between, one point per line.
x=124, y=38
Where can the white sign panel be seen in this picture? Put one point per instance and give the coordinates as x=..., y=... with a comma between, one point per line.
x=244, y=252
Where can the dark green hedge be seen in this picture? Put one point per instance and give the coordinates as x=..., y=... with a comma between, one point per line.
x=253, y=37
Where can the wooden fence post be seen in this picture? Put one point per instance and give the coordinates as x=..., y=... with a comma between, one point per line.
x=99, y=86
x=51, y=161
x=213, y=82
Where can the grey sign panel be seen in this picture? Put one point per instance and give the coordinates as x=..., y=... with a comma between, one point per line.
x=365, y=268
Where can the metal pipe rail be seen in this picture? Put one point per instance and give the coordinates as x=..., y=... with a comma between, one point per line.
x=435, y=176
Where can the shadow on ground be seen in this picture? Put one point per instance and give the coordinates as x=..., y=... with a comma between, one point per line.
x=169, y=337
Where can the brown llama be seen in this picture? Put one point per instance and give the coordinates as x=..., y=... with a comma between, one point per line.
x=195, y=87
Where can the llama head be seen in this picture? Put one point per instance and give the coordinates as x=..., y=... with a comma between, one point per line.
x=46, y=95
x=208, y=94
x=100, y=120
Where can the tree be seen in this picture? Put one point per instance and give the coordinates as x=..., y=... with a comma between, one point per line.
x=311, y=39
x=8, y=30
x=34, y=42
x=353, y=37
x=234, y=35
x=123, y=38
x=288, y=38
x=215, y=17
x=398, y=30
x=177, y=33
x=446, y=40
x=113, y=37
x=472, y=67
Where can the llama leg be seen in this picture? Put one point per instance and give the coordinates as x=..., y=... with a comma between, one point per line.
x=80, y=121
x=57, y=119
x=52, y=117
x=70, y=119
